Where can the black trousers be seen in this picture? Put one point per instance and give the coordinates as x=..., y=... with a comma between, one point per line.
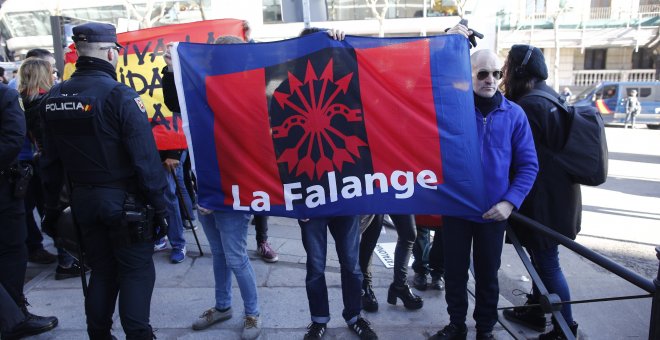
x=119, y=272
x=13, y=252
x=406, y=231
x=485, y=240
x=261, y=228
x=34, y=199
x=10, y=314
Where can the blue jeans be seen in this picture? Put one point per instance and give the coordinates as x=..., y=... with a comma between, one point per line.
x=346, y=232
x=546, y=262
x=458, y=236
x=433, y=262
x=174, y=220
x=227, y=235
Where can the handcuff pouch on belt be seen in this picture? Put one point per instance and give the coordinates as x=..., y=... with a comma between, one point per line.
x=136, y=223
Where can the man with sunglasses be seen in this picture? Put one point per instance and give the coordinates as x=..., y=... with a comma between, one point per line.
x=509, y=168
x=97, y=133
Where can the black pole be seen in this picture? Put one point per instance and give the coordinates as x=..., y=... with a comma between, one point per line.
x=654, y=328
x=186, y=213
x=56, y=29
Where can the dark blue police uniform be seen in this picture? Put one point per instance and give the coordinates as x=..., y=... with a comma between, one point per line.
x=97, y=133
x=13, y=253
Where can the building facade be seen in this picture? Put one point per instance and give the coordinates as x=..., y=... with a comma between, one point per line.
x=586, y=41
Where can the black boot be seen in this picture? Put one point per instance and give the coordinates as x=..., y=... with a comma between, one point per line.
x=32, y=325
x=410, y=300
x=531, y=317
x=369, y=301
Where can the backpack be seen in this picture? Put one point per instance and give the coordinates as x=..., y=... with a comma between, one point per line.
x=584, y=155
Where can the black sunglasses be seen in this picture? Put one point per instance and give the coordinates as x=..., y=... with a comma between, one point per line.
x=481, y=75
x=116, y=48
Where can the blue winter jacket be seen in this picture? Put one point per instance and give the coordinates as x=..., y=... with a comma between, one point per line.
x=508, y=155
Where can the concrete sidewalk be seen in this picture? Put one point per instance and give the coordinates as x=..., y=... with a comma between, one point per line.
x=183, y=291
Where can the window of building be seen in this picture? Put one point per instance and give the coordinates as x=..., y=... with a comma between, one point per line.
x=535, y=7
x=277, y=11
x=643, y=59
x=600, y=9
x=601, y=3
x=272, y=10
x=594, y=58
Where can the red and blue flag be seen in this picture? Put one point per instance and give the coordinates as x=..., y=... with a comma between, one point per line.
x=311, y=127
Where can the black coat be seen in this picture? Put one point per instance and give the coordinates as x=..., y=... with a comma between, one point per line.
x=12, y=126
x=33, y=119
x=554, y=200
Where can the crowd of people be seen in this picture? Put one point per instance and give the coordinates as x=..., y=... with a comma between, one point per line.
x=100, y=161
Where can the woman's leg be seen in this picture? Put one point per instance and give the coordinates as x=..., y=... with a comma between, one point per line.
x=546, y=262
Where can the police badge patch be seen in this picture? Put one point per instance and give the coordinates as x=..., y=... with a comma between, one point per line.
x=140, y=104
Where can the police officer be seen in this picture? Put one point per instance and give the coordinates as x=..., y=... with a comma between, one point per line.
x=97, y=134
x=15, y=321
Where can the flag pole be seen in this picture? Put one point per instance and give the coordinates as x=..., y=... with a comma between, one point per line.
x=185, y=212
x=306, y=13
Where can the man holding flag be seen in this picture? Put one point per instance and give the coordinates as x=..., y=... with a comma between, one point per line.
x=507, y=147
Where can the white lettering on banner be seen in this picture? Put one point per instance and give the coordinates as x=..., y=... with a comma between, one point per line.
x=403, y=182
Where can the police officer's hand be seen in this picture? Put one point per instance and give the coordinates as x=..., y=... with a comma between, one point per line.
x=170, y=164
x=160, y=224
x=49, y=222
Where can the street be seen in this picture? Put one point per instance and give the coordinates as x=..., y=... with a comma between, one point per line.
x=621, y=218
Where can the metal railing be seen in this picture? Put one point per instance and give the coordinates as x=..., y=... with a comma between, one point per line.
x=578, y=16
x=646, y=11
x=590, y=77
x=550, y=303
x=599, y=13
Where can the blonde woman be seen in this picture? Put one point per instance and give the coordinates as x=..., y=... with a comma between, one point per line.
x=35, y=79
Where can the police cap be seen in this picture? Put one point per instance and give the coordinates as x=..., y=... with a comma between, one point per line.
x=95, y=32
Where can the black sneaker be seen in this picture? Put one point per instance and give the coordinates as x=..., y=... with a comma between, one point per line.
x=41, y=256
x=419, y=281
x=530, y=317
x=315, y=330
x=32, y=325
x=451, y=332
x=363, y=329
x=62, y=273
